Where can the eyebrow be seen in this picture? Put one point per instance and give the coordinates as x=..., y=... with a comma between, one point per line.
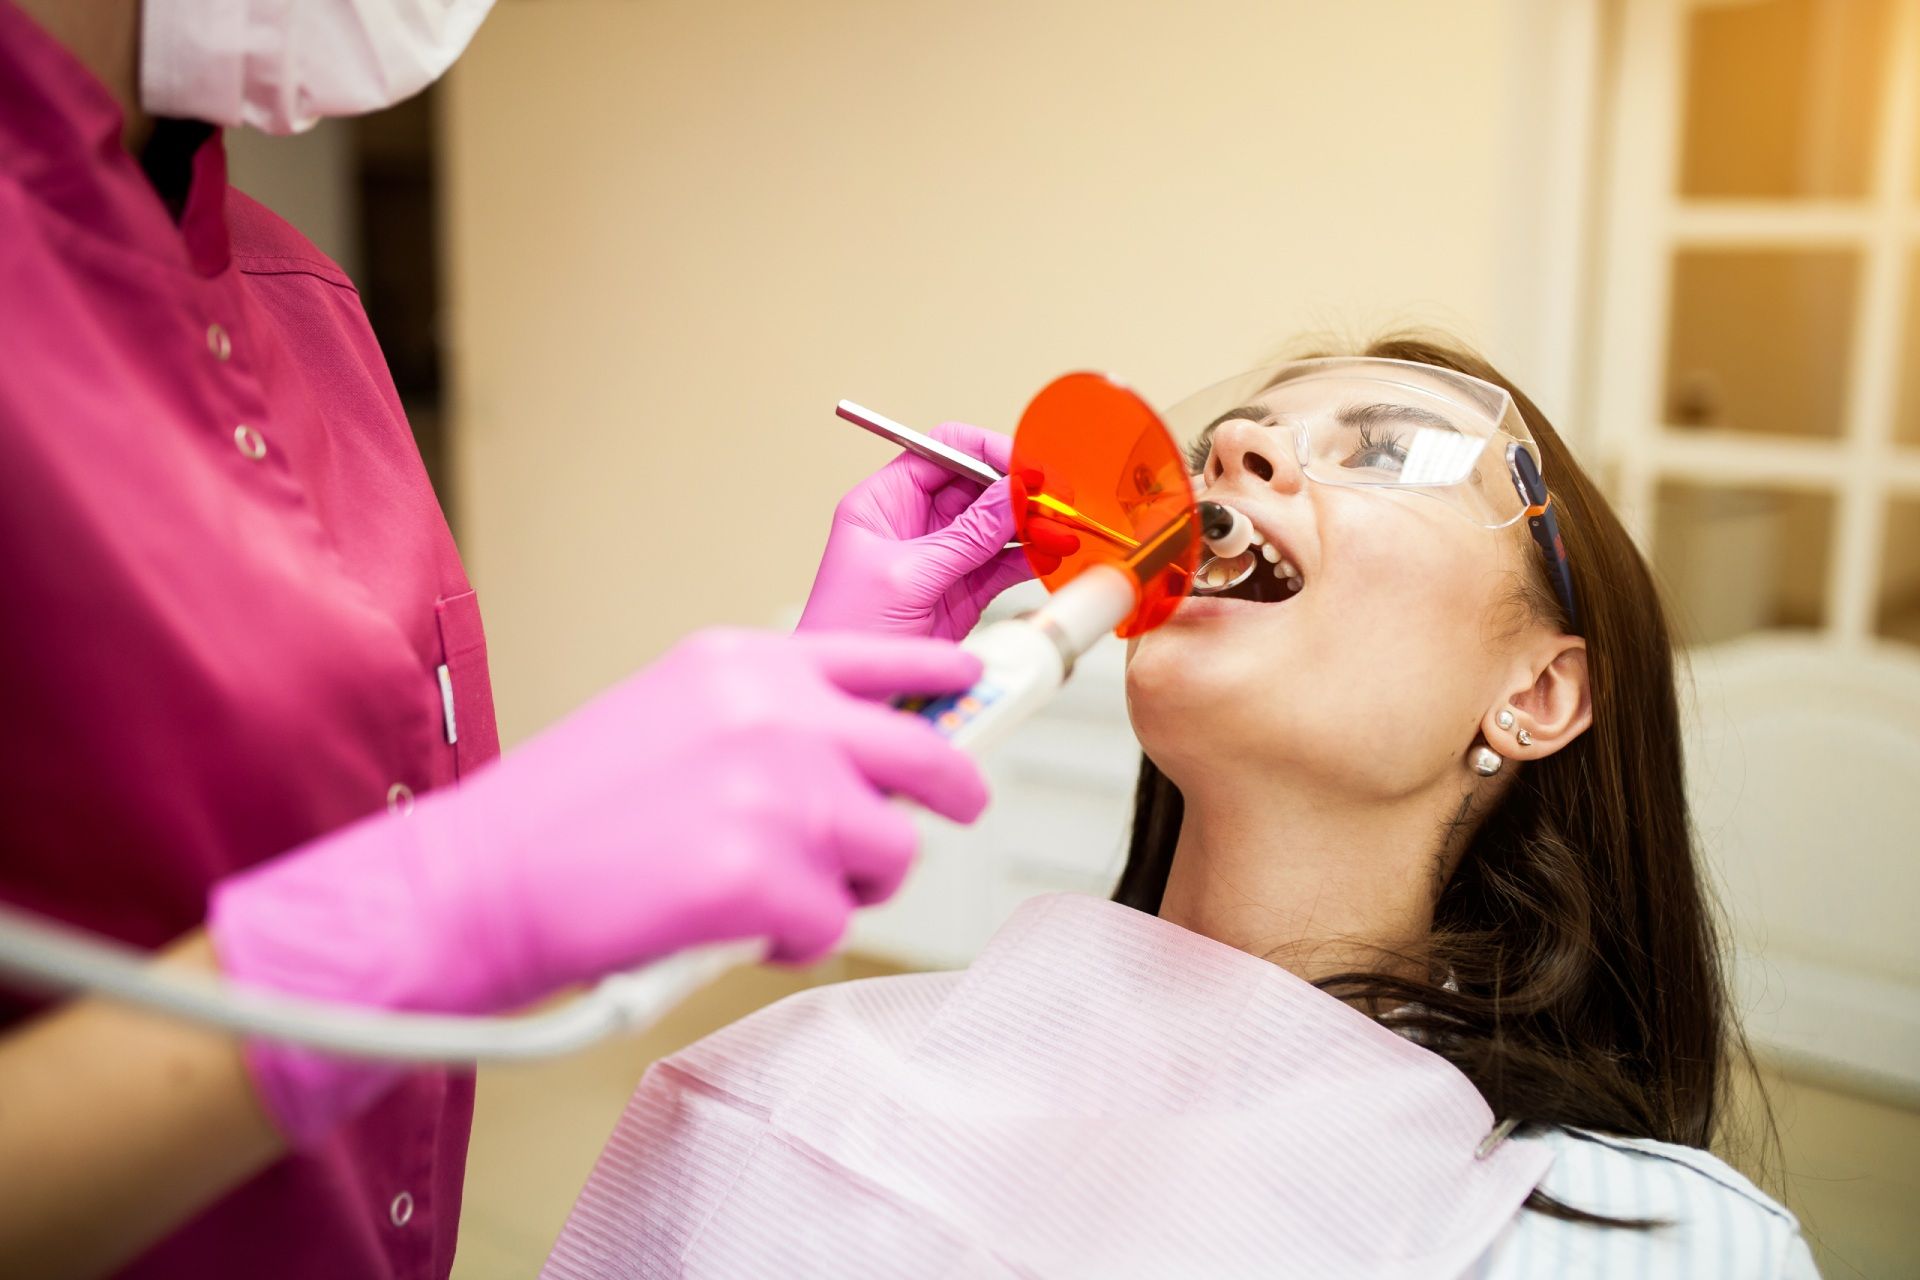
x=1359, y=415
x=1369, y=414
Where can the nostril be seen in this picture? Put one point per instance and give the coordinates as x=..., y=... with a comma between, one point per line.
x=1258, y=465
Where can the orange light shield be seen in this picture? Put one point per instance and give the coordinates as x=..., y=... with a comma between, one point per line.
x=1104, y=479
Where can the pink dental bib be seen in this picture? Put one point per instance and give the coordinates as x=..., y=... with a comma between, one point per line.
x=1101, y=1094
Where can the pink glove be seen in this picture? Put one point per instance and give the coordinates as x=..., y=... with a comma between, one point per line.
x=916, y=550
x=736, y=788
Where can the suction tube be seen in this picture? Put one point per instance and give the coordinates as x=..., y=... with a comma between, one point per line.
x=59, y=958
x=1025, y=659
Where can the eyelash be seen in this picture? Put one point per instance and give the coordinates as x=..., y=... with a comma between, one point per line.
x=1199, y=451
x=1391, y=443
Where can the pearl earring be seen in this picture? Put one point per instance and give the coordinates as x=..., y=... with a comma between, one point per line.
x=1525, y=739
x=1485, y=761
x=1504, y=719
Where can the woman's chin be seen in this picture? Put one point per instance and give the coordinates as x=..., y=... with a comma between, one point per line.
x=1170, y=694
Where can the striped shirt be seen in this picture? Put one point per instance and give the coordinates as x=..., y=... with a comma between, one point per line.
x=1722, y=1226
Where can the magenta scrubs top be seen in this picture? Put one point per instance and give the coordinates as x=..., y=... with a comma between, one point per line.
x=227, y=601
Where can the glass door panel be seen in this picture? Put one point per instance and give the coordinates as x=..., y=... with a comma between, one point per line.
x=1735, y=560
x=1779, y=98
x=1899, y=601
x=1759, y=340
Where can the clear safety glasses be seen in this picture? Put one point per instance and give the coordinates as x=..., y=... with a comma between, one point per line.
x=1365, y=422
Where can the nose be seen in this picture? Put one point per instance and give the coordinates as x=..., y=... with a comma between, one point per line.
x=1241, y=447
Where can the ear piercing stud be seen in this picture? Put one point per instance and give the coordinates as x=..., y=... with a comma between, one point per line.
x=1504, y=719
x=1524, y=738
x=1485, y=761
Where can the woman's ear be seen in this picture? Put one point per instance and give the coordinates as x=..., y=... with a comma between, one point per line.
x=1552, y=708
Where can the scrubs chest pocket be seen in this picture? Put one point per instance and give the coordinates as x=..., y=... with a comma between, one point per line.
x=464, y=683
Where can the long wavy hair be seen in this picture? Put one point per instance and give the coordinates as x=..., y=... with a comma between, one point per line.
x=1577, y=974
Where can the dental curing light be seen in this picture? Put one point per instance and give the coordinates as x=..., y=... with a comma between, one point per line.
x=1101, y=473
x=1098, y=467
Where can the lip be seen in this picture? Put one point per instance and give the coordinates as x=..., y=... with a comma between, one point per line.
x=1202, y=608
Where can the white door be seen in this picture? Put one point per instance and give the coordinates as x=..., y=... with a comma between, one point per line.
x=1756, y=406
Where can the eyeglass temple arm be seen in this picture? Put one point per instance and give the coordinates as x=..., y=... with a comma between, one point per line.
x=1545, y=527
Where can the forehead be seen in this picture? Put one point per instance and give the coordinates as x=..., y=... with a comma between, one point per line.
x=1359, y=394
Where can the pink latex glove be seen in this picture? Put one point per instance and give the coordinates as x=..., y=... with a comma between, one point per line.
x=737, y=788
x=916, y=550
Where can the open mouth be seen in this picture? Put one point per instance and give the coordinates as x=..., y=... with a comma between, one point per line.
x=1260, y=580
x=1261, y=572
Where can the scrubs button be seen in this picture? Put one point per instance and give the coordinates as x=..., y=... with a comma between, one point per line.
x=400, y=799
x=401, y=1210
x=218, y=343
x=248, y=442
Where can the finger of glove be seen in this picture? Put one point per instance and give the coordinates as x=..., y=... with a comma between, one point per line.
x=1054, y=485
x=945, y=504
x=874, y=666
x=930, y=477
x=1051, y=537
x=991, y=447
x=974, y=537
x=1042, y=564
x=813, y=913
x=898, y=753
x=876, y=841
x=1008, y=569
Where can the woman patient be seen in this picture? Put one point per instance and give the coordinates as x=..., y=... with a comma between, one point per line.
x=1410, y=970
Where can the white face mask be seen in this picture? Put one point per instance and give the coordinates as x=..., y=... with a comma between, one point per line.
x=281, y=65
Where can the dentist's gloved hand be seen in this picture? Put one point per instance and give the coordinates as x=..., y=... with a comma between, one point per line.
x=737, y=788
x=916, y=550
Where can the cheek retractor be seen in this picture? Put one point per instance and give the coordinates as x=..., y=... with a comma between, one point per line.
x=1231, y=541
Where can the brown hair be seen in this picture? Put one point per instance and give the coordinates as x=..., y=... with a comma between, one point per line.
x=1586, y=983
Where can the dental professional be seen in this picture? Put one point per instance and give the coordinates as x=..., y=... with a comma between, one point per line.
x=243, y=682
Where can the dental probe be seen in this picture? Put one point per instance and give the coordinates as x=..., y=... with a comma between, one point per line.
x=969, y=467
x=916, y=443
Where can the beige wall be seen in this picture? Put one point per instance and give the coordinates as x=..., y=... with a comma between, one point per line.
x=308, y=180
x=679, y=231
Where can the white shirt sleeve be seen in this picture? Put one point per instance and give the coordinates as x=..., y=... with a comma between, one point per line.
x=1799, y=1261
x=1716, y=1225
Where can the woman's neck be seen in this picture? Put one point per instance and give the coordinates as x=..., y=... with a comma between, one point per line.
x=1317, y=885
x=104, y=35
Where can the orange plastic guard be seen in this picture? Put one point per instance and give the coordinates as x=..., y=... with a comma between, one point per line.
x=1105, y=484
